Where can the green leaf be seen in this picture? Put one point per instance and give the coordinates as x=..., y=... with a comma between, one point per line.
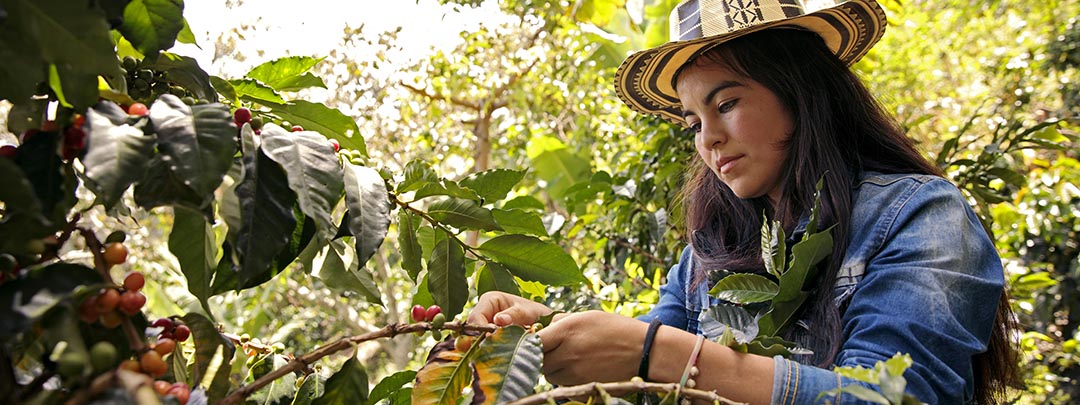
x=313, y=386
x=447, y=188
x=401, y=397
x=186, y=36
x=184, y=71
x=417, y=173
x=533, y=259
x=17, y=193
x=116, y=156
x=198, y=142
x=412, y=254
x=213, y=357
x=428, y=237
x=369, y=209
x=24, y=301
x=745, y=289
x=280, y=391
x=525, y=202
x=442, y=379
x=226, y=89
x=446, y=272
x=19, y=76
x=324, y=120
x=507, y=365
x=254, y=91
x=53, y=180
x=781, y=313
x=805, y=256
x=73, y=87
x=389, y=385
x=730, y=317
x=561, y=169
x=288, y=73
x=266, y=203
x=56, y=33
x=463, y=214
x=492, y=185
x=193, y=242
x=859, y=392
x=520, y=221
x=312, y=170
x=772, y=247
x=152, y=25
x=495, y=277
x=348, y=385
x=340, y=271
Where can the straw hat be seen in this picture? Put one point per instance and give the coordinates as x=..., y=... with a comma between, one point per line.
x=645, y=80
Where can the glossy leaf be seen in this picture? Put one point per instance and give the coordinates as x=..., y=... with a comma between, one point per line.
x=339, y=270
x=737, y=319
x=412, y=254
x=561, y=169
x=773, y=250
x=507, y=365
x=495, y=277
x=447, y=188
x=198, y=142
x=520, y=221
x=254, y=91
x=369, y=209
x=288, y=73
x=348, y=385
x=492, y=185
x=417, y=173
x=324, y=120
x=193, y=242
x=446, y=277
x=745, y=289
x=463, y=214
x=53, y=181
x=266, y=203
x=805, y=256
x=533, y=259
x=442, y=379
x=313, y=386
x=387, y=386
x=312, y=170
x=213, y=357
x=116, y=156
x=186, y=72
x=24, y=301
x=152, y=25
x=58, y=33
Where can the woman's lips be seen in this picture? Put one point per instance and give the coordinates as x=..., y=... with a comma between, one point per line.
x=726, y=163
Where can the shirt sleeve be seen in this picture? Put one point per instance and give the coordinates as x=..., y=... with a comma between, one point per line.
x=672, y=308
x=930, y=291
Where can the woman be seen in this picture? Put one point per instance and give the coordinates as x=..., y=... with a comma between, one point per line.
x=773, y=107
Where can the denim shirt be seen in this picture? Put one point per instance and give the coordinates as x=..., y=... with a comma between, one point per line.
x=920, y=276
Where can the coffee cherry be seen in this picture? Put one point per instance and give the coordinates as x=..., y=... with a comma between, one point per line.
x=164, y=323
x=131, y=365
x=463, y=343
x=431, y=312
x=438, y=321
x=103, y=356
x=138, y=110
x=256, y=122
x=152, y=364
x=181, y=392
x=78, y=120
x=107, y=300
x=129, y=63
x=134, y=281
x=241, y=116
x=111, y=319
x=115, y=253
x=335, y=144
x=88, y=310
x=131, y=302
x=418, y=313
x=162, y=387
x=9, y=151
x=71, y=364
x=181, y=333
x=297, y=128
x=164, y=346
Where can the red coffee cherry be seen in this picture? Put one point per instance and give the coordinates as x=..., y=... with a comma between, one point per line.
x=152, y=364
x=138, y=109
x=107, y=301
x=297, y=128
x=9, y=151
x=134, y=281
x=164, y=323
x=419, y=314
x=181, y=333
x=241, y=116
x=431, y=312
x=115, y=253
x=131, y=302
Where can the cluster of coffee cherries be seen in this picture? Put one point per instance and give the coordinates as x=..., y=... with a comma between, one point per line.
x=243, y=115
x=111, y=304
x=144, y=83
x=152, y=362
x=73, y=137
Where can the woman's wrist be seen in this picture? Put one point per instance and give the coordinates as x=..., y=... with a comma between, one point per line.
x=738, y=376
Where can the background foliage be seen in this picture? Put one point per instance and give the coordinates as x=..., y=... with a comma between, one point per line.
x=989, y=89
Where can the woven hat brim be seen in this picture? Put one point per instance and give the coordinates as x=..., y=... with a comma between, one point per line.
x=644, y=81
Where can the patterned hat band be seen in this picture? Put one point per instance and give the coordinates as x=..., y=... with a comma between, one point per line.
x=645, y=80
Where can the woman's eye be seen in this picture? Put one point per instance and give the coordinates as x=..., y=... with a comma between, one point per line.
x=696, y=127
x=727, y=106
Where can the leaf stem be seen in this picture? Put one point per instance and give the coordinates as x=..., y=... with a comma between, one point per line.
x=436, y=223
x=302, y=362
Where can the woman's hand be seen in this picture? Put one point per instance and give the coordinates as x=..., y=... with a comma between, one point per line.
x=592, y=346
x=504, y=309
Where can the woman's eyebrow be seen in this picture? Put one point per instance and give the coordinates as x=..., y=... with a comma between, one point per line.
x=726, y=84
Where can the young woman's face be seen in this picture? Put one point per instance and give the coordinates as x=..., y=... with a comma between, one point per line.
x=740, y=128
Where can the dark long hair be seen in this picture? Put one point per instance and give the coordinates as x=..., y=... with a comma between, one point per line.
x=840, y=130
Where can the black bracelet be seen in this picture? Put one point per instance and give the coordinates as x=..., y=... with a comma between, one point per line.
x=650, y=335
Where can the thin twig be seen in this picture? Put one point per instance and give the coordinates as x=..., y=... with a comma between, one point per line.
x=302, y=362
x=619, y=389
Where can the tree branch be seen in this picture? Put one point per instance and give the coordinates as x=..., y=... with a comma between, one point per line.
x=450, y=99
x=302, y=362
x=601, y=390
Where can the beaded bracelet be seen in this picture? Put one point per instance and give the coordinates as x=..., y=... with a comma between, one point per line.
x=650, y=335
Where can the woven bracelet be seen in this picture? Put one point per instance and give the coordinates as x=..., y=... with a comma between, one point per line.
x=650, y=335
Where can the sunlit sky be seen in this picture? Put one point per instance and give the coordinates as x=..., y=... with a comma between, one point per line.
x=314, y=27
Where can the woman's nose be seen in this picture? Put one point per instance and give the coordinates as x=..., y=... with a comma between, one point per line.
x=712, y=134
